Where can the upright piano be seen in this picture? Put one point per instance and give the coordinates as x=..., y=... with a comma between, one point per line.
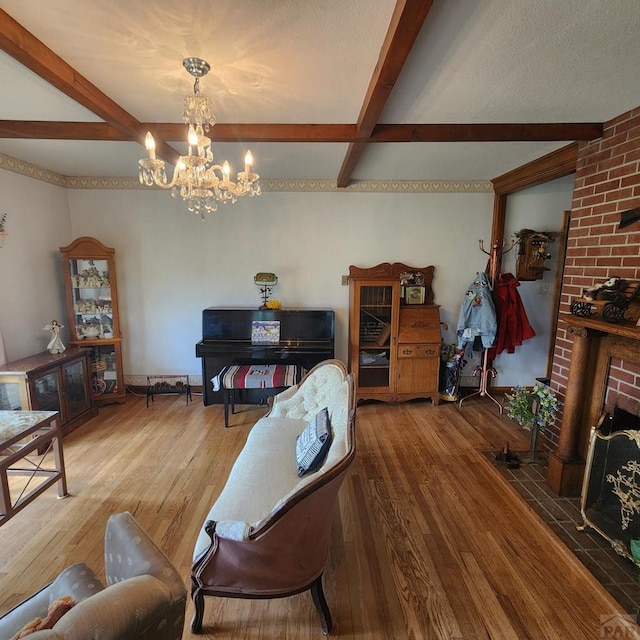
x=307, y=337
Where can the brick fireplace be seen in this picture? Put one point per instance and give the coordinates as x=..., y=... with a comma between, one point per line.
x=607, y=183
x=624, y=390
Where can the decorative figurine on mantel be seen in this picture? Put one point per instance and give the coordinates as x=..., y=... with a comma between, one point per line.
x=55, y=344
x=266, y=282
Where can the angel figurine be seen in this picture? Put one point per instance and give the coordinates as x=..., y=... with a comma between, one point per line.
x=55, y=344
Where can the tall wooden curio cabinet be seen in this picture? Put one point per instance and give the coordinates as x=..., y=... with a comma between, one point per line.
x=394, y=333
x=92, y=314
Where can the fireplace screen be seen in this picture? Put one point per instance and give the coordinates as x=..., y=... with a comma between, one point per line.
x=611, y=488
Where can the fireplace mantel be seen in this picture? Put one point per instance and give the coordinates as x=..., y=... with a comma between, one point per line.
x=595, y=342
x=624, y=329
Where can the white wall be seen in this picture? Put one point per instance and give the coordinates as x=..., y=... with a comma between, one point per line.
x=31, y=286
x=171, y=265
x=540, y=208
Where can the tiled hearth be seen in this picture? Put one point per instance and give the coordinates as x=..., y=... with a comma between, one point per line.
x=618, y=575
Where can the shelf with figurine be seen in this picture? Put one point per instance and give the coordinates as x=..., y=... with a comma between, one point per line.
x=94, y=330
x=607, y=301
x=87, y=308
x=92, y=310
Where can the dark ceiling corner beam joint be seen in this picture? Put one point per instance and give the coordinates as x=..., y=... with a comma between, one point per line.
x=505, y=132
x=406, y=23
x=24, y=47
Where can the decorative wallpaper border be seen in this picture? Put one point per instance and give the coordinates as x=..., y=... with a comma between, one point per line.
x=81, y=182
x=273, y=185
x=31, y=170
x=381, y=186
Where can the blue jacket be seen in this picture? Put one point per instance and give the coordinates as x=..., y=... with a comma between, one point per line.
x=477, y=314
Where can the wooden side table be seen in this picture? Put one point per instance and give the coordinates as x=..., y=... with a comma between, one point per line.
x=25, y=435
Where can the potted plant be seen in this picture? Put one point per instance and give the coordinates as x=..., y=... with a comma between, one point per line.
x=535, y=409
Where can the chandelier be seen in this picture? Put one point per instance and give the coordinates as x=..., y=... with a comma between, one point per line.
x=196, y=178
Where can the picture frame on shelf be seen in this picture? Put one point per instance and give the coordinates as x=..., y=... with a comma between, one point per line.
x=414, y=295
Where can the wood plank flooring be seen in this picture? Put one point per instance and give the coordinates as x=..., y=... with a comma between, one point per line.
x=429, y=541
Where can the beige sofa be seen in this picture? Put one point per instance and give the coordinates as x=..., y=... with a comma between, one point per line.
x=267, y=535
x=145, y=598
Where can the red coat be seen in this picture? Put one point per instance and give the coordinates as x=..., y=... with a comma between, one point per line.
x=513, y=325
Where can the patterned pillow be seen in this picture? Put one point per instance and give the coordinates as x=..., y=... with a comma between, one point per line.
x=313, y=443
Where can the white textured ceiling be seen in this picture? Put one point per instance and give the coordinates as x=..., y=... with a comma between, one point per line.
x=311, y=61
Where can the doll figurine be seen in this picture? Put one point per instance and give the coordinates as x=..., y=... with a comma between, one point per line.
x=55, y=344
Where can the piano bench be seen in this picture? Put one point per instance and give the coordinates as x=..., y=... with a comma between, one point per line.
x=271, y=378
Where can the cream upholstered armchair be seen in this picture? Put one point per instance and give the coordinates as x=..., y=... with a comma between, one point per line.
x=267, y=535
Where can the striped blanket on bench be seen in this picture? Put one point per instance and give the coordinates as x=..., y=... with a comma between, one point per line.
x=258, y=376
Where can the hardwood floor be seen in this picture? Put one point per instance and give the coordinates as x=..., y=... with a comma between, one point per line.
x=429, y=541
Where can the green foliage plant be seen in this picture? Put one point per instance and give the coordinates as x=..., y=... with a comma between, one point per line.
x=536, y=407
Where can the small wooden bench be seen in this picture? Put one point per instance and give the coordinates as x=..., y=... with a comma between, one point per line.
x=274, y=377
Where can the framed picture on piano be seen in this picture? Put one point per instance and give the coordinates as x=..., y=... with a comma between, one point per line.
x=265, y=332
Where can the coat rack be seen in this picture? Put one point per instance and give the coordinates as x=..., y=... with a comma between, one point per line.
x=486, y=370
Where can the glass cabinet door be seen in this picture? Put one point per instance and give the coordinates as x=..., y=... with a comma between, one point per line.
x=75, y=377
x=103, y=363
x=47, y=392
x=91, y=299
x=374, y=357
x=11, y=395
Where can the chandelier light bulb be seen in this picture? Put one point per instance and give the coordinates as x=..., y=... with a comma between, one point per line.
x=226, y=170
x=248, y=161
x=193, y=137
x=150, y=145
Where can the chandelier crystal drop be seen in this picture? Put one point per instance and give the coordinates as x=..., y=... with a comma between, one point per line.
x=196, y=178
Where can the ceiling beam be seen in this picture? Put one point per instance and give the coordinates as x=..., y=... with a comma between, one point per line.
x=24, y=47
x=229, y=132
x=406, y=22
x=345, y=133
x=511, y=132
x=47, y=130
x=557, y=164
